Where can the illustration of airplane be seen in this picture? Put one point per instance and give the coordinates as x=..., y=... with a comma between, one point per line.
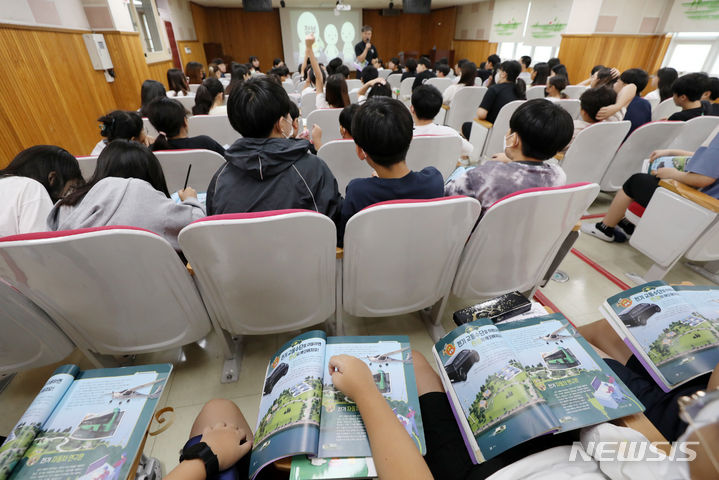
x=130, y=393
x=386, y=358
x=554, y=336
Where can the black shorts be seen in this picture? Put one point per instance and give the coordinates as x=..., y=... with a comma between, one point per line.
x=640, y=187
x=662, y=408
x=447, y=456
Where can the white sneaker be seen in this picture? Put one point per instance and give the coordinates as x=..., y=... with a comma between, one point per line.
x=591, y=229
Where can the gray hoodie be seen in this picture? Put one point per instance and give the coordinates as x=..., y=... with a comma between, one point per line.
x=127, y=201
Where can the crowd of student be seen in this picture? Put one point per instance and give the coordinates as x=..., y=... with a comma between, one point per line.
x=274, y=166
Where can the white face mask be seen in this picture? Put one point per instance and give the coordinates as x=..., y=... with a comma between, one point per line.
x=292, y=129
x=504, y=144
x=496, y=77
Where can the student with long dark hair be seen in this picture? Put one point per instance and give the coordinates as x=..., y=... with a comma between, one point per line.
x=540, y=73
x=35, y=179
x=492, y=66
x=150, y=90
x=334, y=94
x=240, y=73
x=209, y=98
x=468, y=75
x=411, y=66
x=127, y=188
x=177, y=83
x=121, y=124
x=170, y=120
x=195, y=72
x=507, y=89
x=559, y=70
x=662, y=83
x=254, y=64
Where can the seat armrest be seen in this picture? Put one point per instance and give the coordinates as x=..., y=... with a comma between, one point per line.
x=484, y=123
x=190, y=270
x=446, y=107
x=559, y=156
x=339, y=252
x=683, y=190
x=577, y=226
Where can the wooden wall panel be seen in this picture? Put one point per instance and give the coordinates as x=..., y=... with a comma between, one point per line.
x=581, y=52
x=199, y=18
x=197, y=53
x=57, y=101
x=130, y=68
x=243, y=34
x=403, y=33
x=158, y=71
x=475, y=50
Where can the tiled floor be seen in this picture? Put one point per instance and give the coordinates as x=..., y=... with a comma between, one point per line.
x=197, y=379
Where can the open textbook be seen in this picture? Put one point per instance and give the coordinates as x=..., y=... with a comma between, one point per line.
x=84, y=424
x=301, y=412
x=513, y=381
x=672, y=330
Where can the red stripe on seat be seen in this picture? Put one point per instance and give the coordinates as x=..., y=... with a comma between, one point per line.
x=412, y=200
x=68, y=233
x=249, y=215
x=539, y=189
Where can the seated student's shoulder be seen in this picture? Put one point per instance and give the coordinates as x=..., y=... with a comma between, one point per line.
x=432, y=177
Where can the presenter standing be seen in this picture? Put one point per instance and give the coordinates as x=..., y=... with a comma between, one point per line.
x=364, y=50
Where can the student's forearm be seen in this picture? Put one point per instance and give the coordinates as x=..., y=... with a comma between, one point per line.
x=394, y=452
x=588, y=81
x=319, y=83
x=694, y=180
x=482, y=113
x=363, y=89
x=714, y=379
x=679, y=153
x=188, y=470
x=625, y=96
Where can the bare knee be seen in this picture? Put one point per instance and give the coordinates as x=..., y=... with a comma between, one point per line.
x=427, y=379
x=218, y=410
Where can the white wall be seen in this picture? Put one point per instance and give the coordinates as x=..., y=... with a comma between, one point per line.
x=474, y=21
x=45, y=13
x=178, y=12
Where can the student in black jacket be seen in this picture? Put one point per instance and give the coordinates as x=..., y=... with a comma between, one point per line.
x=267, y=169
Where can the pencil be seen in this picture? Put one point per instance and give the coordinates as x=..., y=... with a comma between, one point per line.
x=187, y=177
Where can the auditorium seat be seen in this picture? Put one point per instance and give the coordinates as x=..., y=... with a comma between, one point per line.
x=574, y=91
x=638, y=146
x=217, y=127
x=464, y=106
x=341, y=157
x=328, y=119
x=536, y=91
x=590, y=153
x=112, y=290
x=694, y=133
x=572, y=106
x=244, y=263
x=441, y=152
x=665, y=109
x=176, y=162
x=440, y=84
x=532, y=225
x=29, y=337
x=401, y=256
x=488, y=138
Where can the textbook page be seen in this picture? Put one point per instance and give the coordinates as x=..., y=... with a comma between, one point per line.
x=98, y=426
x=499, y=405
x=577, y=384
x=672, y=339
x=289, y=418
x=389, y=358
x=29, y=425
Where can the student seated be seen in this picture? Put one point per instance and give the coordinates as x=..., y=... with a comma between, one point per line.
x=687, y=91
x=382, y=130
x=540, y=73
x=35, y=179
x=240, y=73
x=491, y=67
x=195, y=72
x=587, y=82
x=371, y=88
x=442, y=70
x=508, y=87
x=423, y=72
x=662, y=84
x=411, y=68
x=254, y=65
x=121, y=124
x=555, y=88
x=468, y=74
x=701, y=171
x=538, y=130
x=127, y=188
x=333, y=65
x=177, y=81
x=170, y=120
x=151, y=90
x=394, y=66
x=559, y=70
x=629, y=86
x=210, y=98
x=712, y=93
x=267, y=169
x=335, y=94
x=426, y=104
x=526, y=75
x=591, y=101
x=224, y=429
x=346, y=116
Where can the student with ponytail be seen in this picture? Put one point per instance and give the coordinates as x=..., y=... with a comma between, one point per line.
x=209, y=98
x=121, y=124
x=169, y=118
x=507, y=88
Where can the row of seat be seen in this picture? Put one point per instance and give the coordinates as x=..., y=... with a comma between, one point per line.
x=123, y=290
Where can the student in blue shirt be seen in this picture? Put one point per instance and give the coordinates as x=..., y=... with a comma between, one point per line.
x=701, y=171
x=629, y=87
x=382, y=130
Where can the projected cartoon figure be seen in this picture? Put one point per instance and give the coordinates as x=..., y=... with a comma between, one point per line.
x=331, y=37
x=306, y=24
x=348, y=37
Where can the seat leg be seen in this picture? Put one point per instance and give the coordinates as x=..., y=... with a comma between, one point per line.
x=655, y=272
x=232, y=350
x=339, y=309
x=433, y=318
x=709, y=270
